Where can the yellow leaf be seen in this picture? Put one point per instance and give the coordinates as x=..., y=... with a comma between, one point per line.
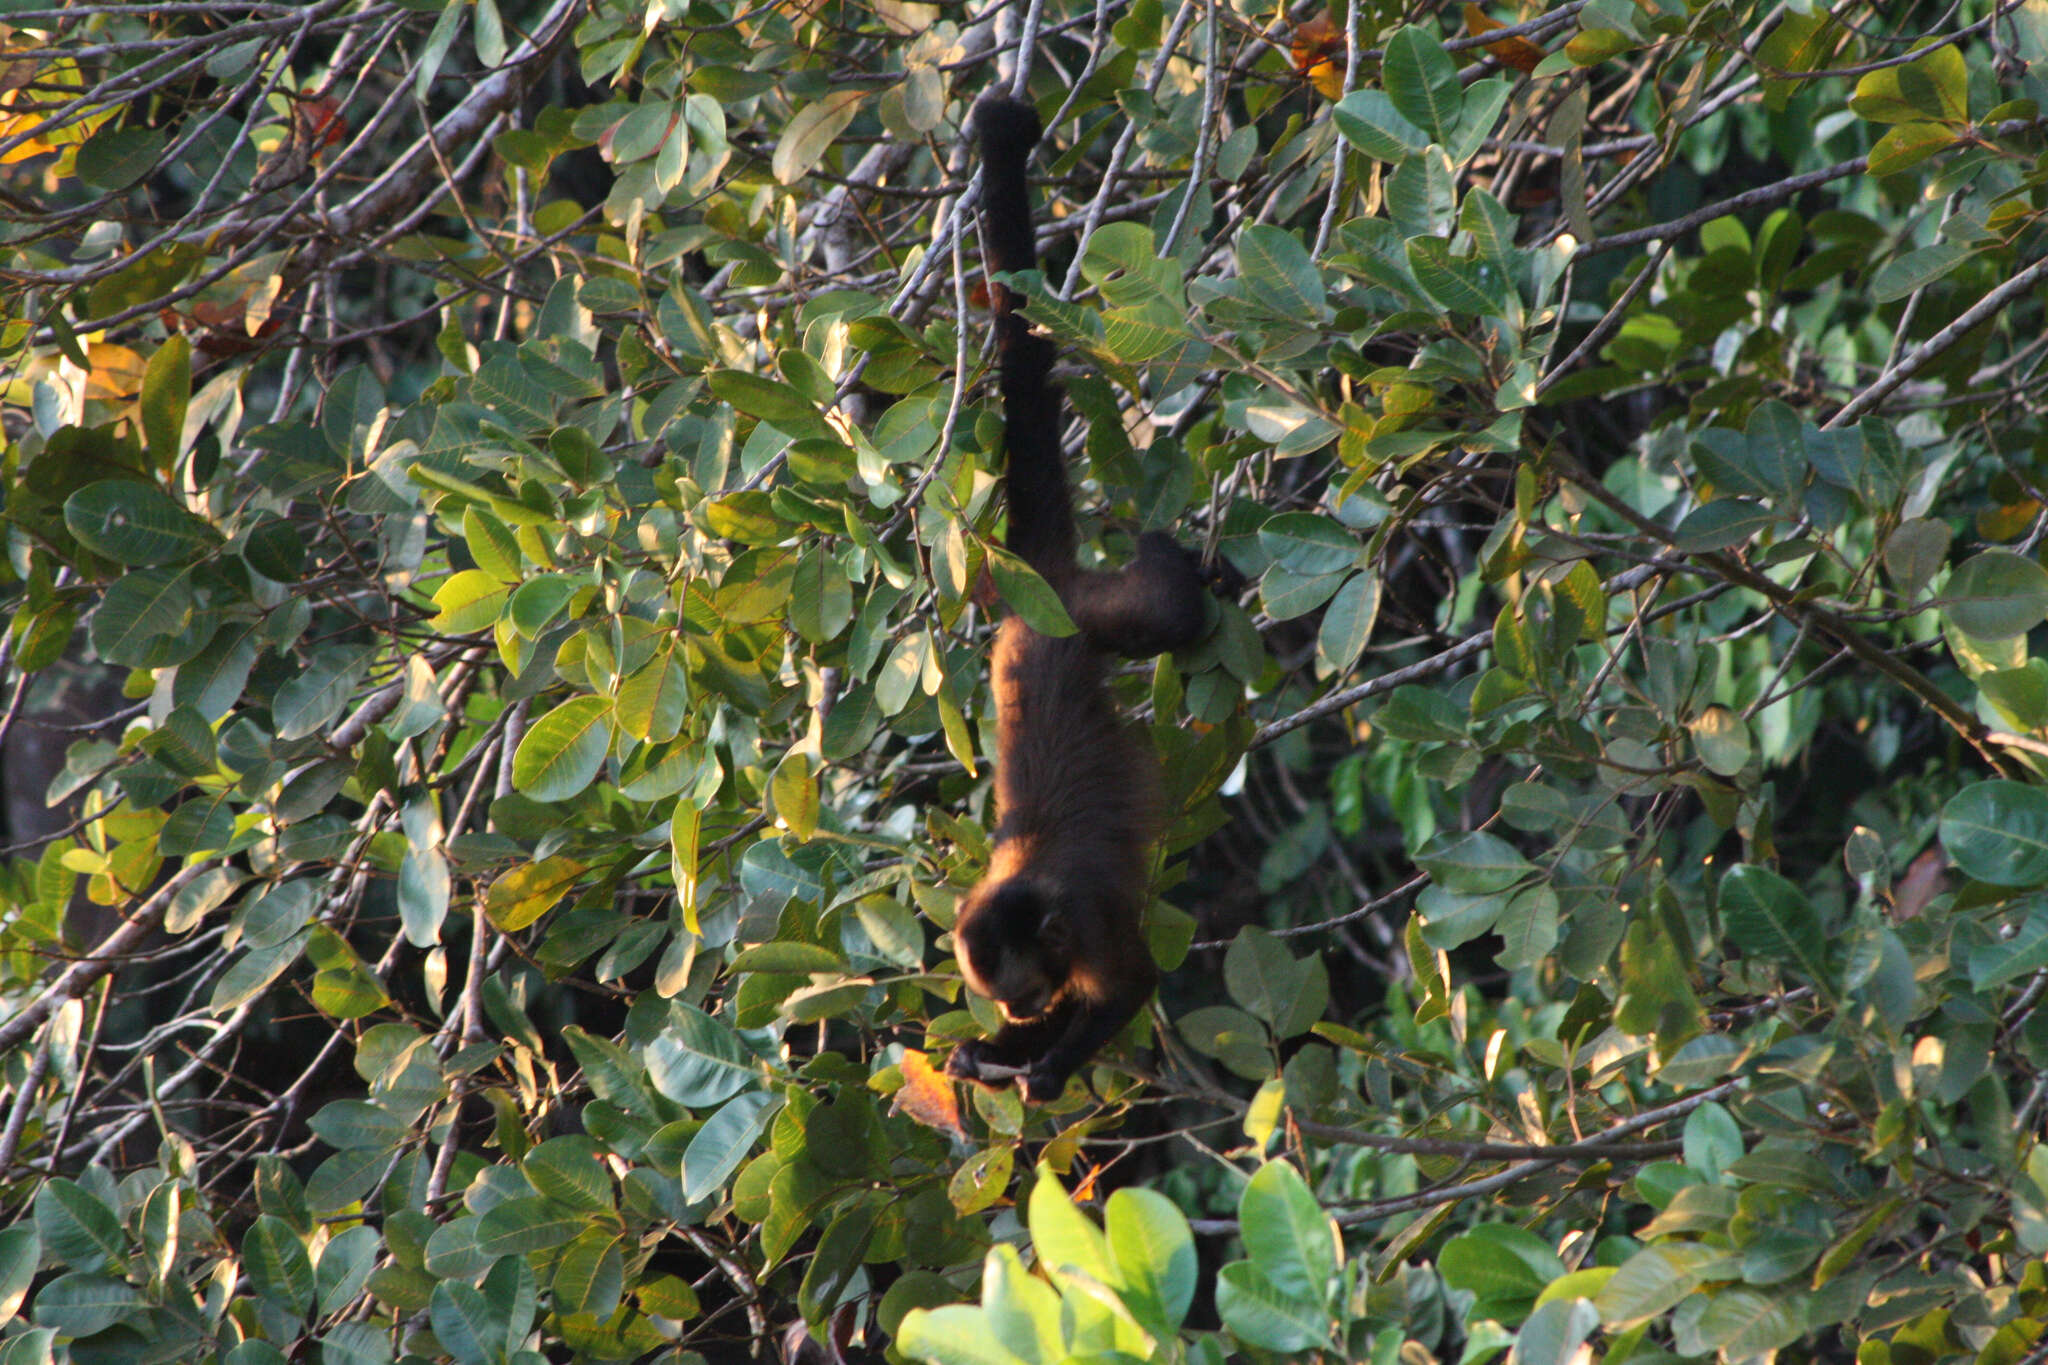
x=116, y=373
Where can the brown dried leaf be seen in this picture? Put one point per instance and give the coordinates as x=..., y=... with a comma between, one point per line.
x=927, y=1095
x=1518, y=53
x=1317, y=49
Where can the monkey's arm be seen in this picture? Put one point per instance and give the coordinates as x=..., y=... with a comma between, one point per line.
x=1012, y=1051
x=1153, y=605
x=1091, y=1024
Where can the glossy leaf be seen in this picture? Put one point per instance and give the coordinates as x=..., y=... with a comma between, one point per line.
x=562, y=751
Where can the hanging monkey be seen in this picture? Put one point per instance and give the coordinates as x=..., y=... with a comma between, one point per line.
x=1052, y=933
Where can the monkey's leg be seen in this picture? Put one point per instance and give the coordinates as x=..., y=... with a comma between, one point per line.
x=1153, y=605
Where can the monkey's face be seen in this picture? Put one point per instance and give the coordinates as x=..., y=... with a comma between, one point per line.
x=1006, y=951
x=1026, y=991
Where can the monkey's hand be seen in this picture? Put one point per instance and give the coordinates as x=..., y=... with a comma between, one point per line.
x=1044, y=1083
x=975, y=1060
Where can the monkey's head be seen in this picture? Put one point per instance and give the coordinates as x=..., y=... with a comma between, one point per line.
x=1013, y=946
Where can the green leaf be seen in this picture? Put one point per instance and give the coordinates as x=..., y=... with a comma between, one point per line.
x=1348, y=622
x=1280, y=271
x=317, y=693
x=654, y=699
x=1029, y=595
x=1260, y=1315
x=1288, y=594
x=491, y=544
x=253, y=972
x=1504, y=1265
x=276, y=549
x=1062, y=1234
x=1422, y=81
x=981, y=1180
x=1457, y=285
x=1917, y=269
x=533, y=605
x=1154, y=1253
x=469, y=601
x=957, y=1334
x=808, y=135
x=1528, y=927
x=570, y=1170
x=1770, y=918
x=836, y=1259
x=166, y=392
x=698, y=1061
x=1262, y=975
x=42, y=636
x=1450, y=918
x=82, y=1305
x=1713, y=1141
x=183, y=743
x=1555, y=1332
x=115, y=158
x=1023, y=1311
x=520, y=1226
x=1292, y=1242
x=1473, y=861
x=769, y=399
x=1722, y=738
x=1906, y=146
x=1997, y=832
x=1721, y=524
x=345, y=1267
x=1999, y=960
x=1936, y=87
x=358, y=1125
x=1915, y=550
x=1370, y=122
x=1308, y=543
x=724, y=1141
x=1479, y=111
x=1654, y=1280
x=1996, y=595
x=76, y=1227
x=1232, y=1037
x=789, y=958
x=562, y=751
x=591, y=1276
x=435, y=49
x=142, y=613
x=420, y=706
x=1741, y=1324
x=20, y=1249
x=279, y=1269
x=821, y=597
x=465, y=1324
x=350, y=1343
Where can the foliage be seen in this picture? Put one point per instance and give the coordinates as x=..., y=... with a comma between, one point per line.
x=522, y=465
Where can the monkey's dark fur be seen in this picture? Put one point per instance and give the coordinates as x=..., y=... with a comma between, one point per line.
x=1052, y=932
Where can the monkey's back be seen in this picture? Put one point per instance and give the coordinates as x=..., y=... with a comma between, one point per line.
x=1070, y=772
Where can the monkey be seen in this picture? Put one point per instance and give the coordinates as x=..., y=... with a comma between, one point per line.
x=1052, y=932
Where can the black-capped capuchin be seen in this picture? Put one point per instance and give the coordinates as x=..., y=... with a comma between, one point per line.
x=1052, y=934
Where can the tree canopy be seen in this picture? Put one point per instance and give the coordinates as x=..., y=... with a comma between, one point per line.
x=502, y=515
